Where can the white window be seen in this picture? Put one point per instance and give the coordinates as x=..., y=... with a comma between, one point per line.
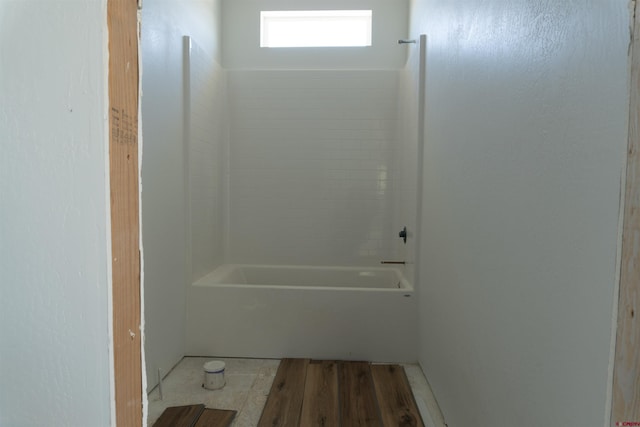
x=315, y=28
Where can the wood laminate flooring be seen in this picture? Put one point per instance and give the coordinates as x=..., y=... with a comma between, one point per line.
x=194, y=416
x=309, y=393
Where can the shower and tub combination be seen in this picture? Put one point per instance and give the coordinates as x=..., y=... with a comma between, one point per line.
x=320, y=172
x=271, y=311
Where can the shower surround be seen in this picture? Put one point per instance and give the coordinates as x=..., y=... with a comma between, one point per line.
x=311, y=167
x=311, y=178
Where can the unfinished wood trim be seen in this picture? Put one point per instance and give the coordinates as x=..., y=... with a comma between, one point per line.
x=626, y=371
x=122, y=21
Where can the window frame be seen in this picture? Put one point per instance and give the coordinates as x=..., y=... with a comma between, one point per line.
x=324, y=22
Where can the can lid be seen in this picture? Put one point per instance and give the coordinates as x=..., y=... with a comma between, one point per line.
x=214, y=367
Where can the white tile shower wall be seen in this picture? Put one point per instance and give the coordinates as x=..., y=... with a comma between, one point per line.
x=206, y=150
x=311, y=174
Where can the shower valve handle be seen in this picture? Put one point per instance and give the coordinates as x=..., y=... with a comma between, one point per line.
x=403, y=234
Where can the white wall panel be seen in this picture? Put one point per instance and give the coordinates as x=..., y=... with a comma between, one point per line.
x=312, y=166
x=527, y=106
x=54, y=214
x=207, y=144
x=407, y=163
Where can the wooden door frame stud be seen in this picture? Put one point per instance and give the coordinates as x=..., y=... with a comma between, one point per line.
x=625, y=407
x=122, y=21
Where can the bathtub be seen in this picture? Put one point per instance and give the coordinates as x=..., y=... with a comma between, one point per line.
x=264, y=311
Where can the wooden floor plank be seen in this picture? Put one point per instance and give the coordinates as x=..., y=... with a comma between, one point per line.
x=358, y=405
x=216, y=418
x=320, y=407
x=395, y=398
x=179, y=416
x=284, y=403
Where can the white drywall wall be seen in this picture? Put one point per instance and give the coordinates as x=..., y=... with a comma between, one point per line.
x=526, y=134
x=164, y=201
x=241, y=41
x=54, y=235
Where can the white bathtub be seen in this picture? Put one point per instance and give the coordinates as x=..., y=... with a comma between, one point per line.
x=356, y=313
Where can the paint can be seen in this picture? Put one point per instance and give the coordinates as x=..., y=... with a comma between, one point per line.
x=213, y=375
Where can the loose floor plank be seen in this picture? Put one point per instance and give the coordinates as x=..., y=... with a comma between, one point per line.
x=320, y=407
x=216, y=418
x=358, y=405
x=397, y=404
x=284, y=403
x=179, y=416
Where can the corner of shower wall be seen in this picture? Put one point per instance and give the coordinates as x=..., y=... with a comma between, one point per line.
x=408, y=160
x=226, y=166
x=207, y=150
